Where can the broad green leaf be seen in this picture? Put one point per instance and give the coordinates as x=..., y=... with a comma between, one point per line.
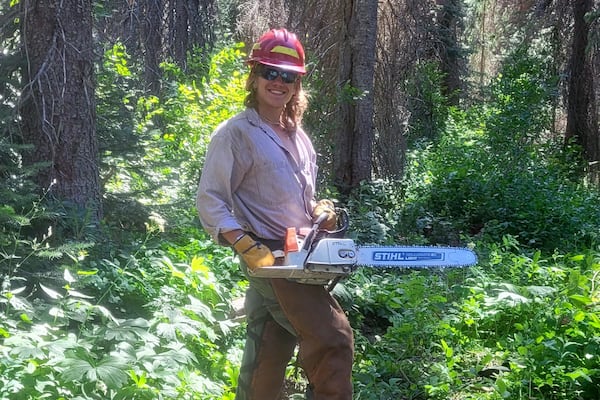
x=112, y=371
x=581, y=299
x=580, y=373
x=198, y=265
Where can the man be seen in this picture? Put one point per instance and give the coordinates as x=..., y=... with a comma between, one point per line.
x=258, y=179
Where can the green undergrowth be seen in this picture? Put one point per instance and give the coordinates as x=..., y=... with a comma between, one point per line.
x=154, y=324
x=518, y=325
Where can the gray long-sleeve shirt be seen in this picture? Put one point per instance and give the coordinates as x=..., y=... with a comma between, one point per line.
x=249, y=180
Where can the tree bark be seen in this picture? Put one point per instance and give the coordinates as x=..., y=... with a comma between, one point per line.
x=354, y=141
x=57, y=104
x=581, y=122
x=179, y=30
x=152, y=45
x=450, y=53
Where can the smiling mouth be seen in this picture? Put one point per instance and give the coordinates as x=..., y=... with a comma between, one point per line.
x=274, y=91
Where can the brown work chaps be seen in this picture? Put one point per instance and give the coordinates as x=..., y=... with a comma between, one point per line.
x=282, y=314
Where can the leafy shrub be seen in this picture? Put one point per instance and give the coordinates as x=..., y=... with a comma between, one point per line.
x=69, y=346
x=168, y=136
x=527, y=327
x=426, y=103
x=494, y=172
x=375, y=212
x=395, y=314
x=146, y=315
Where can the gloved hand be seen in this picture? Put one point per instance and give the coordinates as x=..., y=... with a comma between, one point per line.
x=254, y=254
x=326, y=206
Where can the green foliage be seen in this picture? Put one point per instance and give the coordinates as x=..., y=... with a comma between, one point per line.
x=527, y=325
x=31, y=240
x=496, y=172
x=374, y=215
x=319, y=125
x=16, y=190
x=523, y=323
x=517, y=326
x=116, y=98
x=71, y=346
x=427, y=104
x=140, y=311
x=153, y=148
x=398, y=318
x=174, y=130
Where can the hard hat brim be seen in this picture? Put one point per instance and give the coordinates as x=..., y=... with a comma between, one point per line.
x=282, y=66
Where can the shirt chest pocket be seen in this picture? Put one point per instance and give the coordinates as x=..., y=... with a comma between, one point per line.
x=276, y=182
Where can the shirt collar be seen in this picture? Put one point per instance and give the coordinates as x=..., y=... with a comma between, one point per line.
x=253, y=117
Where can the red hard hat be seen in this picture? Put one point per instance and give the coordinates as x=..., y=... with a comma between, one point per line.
x=279, y=48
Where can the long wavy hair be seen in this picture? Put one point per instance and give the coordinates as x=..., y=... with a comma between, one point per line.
x=293, y=110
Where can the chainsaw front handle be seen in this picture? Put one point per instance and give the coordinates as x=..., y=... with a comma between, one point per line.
x=310, y=237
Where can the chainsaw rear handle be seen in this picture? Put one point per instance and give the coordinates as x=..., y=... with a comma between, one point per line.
x=343, y=223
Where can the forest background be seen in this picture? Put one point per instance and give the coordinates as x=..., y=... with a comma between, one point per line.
x=462, y=122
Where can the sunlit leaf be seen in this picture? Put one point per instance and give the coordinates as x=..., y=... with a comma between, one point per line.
x=50, y=292
x=579, y=316
x=176, y=273
x=68, y=276
x=25, y=318
x=198, y=265
x=580, y=373
x=581, y=299
x=75, y=293
x=18, y=290
x=87, y=273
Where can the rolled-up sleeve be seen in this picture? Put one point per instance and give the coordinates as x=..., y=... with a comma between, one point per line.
x=214, y=197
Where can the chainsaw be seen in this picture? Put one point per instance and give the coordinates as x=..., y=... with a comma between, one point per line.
x=322, y=256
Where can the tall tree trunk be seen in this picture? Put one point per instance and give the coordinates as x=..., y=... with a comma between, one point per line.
x=581, y=122
x=354, y=141
x=152, y=44
x=57, y=106
x=450, y=53
x=189, y=25
x=119, y=21
x=178, y=39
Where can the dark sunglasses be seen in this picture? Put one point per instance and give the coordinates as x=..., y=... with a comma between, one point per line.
x=271, y=74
